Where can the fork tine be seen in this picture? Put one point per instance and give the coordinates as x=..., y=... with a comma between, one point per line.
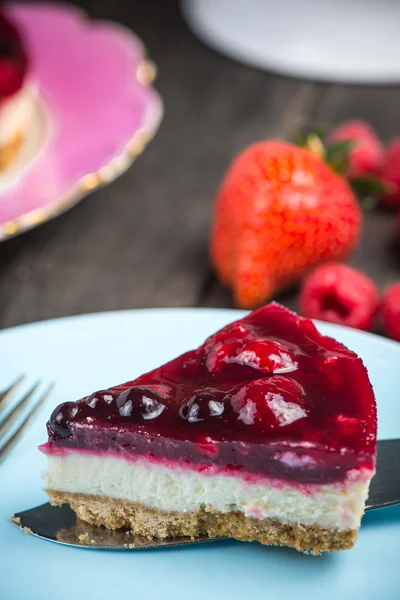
x=9, y=419
x=7, y=394
x=5, y=448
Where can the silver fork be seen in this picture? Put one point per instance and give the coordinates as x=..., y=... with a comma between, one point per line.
x=8, y=420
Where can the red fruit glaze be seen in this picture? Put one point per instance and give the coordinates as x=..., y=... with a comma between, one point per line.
x=390, y=310
x=390, y=173
x=251, y=415
x=13, y=58
x=339, y=294
x=280, y=211
x=367, y=155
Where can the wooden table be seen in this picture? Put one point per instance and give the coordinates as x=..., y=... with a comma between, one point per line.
x=142, y=241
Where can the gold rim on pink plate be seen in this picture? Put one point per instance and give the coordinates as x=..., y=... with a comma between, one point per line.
x=126, y=45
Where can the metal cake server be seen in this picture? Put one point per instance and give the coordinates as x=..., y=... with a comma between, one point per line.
x=60, y=524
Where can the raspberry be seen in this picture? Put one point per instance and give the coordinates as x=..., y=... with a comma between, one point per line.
x=266, y=356
x=229, y=333
x=367, y=155
x=339, y=294
x=390, y=173
x=220, y=355
x=391, y=311
x=270, y=403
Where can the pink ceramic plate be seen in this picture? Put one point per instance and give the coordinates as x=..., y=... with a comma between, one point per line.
x=96, y=111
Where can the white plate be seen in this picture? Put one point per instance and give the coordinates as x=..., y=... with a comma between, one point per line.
x=354, y=41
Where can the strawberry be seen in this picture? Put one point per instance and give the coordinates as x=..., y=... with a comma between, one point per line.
x=390, y=173
x=279, y=212
x=366, y=155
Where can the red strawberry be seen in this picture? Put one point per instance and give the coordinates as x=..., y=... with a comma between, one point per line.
x=367, y=155
x=279, y=212
x=339, y=294
x=390, y=173
x=391, y=310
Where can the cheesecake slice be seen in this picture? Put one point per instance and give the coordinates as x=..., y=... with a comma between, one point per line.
x=265, y=432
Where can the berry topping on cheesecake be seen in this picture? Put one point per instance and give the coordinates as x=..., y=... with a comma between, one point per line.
x=17, y=99
x=13, y=58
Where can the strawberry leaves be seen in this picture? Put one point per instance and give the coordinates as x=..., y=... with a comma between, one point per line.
x=368, y=190
x=337, y=155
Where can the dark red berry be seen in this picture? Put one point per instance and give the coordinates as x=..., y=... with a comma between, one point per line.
x=62, y=417
x=204, y=405
x=140, y=403
x=340, y=294
x=101, y=400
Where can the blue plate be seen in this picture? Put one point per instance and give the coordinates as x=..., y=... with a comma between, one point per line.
x=82, y=354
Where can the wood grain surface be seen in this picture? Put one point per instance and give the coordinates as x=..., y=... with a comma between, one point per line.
x=142, y=241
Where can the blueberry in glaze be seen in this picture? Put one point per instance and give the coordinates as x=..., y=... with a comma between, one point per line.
x=204, y=405
x=98, y=407
x=140, y=403
x=61, y=419
x=103, y=400
x=95, y=407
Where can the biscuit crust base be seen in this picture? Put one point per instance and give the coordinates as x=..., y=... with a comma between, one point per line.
x=152, y=523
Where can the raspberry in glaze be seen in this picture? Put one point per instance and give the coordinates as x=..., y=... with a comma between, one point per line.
x=261, y=389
